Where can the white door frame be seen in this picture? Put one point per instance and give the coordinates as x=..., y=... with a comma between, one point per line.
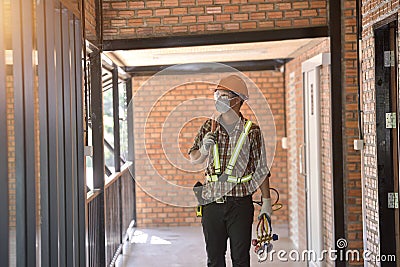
x=312, y=132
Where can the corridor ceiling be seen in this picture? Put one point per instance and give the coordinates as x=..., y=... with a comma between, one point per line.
x=213, y=53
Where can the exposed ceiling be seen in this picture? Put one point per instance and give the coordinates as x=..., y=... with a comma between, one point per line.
x=213, y=53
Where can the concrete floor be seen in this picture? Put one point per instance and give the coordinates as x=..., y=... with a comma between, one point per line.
x=185, y=247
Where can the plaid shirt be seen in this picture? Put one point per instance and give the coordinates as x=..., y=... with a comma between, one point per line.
x=251, y=160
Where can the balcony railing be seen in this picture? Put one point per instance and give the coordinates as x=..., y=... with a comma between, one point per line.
x=119, y=201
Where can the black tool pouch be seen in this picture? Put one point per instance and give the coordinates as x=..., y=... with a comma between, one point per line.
x=198, y=190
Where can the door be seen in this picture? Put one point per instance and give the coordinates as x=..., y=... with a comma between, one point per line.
x=386, y=91
x=313, y=162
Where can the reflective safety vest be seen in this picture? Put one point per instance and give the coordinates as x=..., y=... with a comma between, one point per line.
x=232, y=160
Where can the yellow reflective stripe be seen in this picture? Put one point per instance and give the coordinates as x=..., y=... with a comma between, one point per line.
x=237, y=180
x=246, y=178
x=232, y=160
x=231, y=179
x=217, y=163
x=212, y=178
x=238, y=148
x=247, y=126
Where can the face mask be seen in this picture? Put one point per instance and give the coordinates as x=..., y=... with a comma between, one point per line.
x=222, y=104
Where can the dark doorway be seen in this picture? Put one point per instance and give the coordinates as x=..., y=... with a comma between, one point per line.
x=387, y=136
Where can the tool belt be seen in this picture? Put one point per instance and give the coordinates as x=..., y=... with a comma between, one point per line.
x=225, y=199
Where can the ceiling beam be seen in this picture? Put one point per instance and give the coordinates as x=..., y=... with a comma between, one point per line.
x=253, y=65
x=216, y=39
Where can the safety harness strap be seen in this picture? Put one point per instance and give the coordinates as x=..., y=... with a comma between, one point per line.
x=232, y=160
x=238, y=148
x=231, y=179
x=217, y=163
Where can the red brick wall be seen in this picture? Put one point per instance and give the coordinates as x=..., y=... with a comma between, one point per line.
x=73, y=5
x=295, y=134
x=12, y=184
x=272, y=85
x=6, y=5
x=326, y=152
x=151, y=212
x=90, y=19
x=293, y=99
x=372, y=12
x=134, y=19
x=11, y=151
x=351, y=158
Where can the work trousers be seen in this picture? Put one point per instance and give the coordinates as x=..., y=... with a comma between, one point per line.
x=232, y=219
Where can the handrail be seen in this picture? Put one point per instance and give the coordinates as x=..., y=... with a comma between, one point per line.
x=92, y=194
x=114, y=177
x=117, y=198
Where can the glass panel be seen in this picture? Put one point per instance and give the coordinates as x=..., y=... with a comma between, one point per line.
x=123, y=122
x=88, y=129
x=108, y=122
x=89, y=162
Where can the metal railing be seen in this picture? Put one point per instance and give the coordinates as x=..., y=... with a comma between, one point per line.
x=119, y=201
x=94, y=254
x=111, y=209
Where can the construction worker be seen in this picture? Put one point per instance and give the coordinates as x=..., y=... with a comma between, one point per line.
x=236, y=166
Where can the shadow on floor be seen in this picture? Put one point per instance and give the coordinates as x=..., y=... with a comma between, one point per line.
x=185, y=247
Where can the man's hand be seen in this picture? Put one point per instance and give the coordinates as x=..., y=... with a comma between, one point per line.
x=266, y=208
x=208, y=142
